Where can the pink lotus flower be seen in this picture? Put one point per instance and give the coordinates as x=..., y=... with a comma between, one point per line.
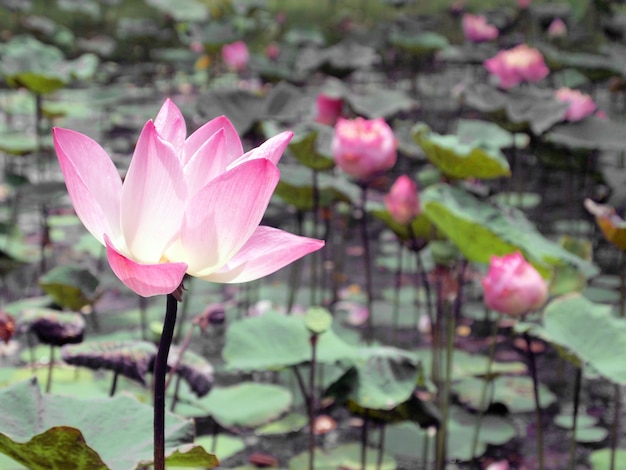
x=272, y=51
x=187, y=205
x=364, y=147
x=476, y=28
x=402, y=201
x=513, y=286
x=581, y=105
x=523, y=4
x=513, y=66
x=557, y=29
x=328, y=108
x=236, y=55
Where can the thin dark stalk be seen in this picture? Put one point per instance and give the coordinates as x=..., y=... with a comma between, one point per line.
x=442, y=436
x=160, y=370
x=483, y=395
x=421, y=272
x=315, y=256
x=296, y=268
x=364, y=430
x=50, y=369
x=538, y=425
x=381, y=447
x=615, y=425
x=305, y=395
x=175, y=397
x=312, y=402
x=179, y=358
x=577, y=385
x=114, y=383
x=182, y=320
x=426, y=449
x=143, y=305
x=367, y=265
x=396, y=295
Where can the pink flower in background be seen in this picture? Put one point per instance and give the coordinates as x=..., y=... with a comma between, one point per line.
x=272, y=51
x=402, y=201
x=513, y=286
x=476, y=28
x=364, y=147
x=523, y=4
x=236, y=55
x=187, y=205
x=581, y=105
x=328, y=109
x=516, y=65
x=557, y=29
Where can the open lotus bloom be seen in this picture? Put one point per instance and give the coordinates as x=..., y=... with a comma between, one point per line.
x=187, y=205
x=581, y=105
x=517, y=65
x=476, y=28
x=513, y=286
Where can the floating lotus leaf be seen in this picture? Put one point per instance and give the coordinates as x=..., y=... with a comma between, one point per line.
x=286, y=103
x=274, y=341
x=247, y=404
x=89, y=434
x=601, y=459
x=196, y=370
x=590, y=133
x=459, y=159
x=481, y=230
x=52, y=326
x=290, y=423
x=41, y=68
x=423, y=44
x=132, y=359
x=182, y=10
x=584, y=332
x=380, y=103
x=516, y=393
x=18, y=144
x=243, y=108
x=593, y=66
x=519, y=109
x=71, y=287
x=346, y=456
x=468, y=53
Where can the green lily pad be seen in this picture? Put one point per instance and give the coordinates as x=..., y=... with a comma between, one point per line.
x=70, y=286
x=481, y=230
x=601, y=459
x=18, y=144
x=304, y=148
x=516, y=393
x=224, y=445
x=292, y=422
x=182, y=10
x=346, y=456
x=461, y=159
x=587, y=332
x=88, y=433
x=519, y=200
x=380, y=102
x=422, y=44
x=247, y=404
x=590, y=133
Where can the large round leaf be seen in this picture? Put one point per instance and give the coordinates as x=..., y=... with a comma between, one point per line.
x=70, y=286
x=108, y=433
x=346, y=456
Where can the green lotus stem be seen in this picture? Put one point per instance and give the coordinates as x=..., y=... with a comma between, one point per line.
x=381, y=447
x=175, y=397
x=396, y=295
x=313, y=341
x=364, y=430
x=538, y=425
x=160, y=370
x=421, y=272
x=50, y=369
x=483, y=394
x=114, y=383
x=426, y=449
x=577, y=385
x=367, y=265
x=445, y=399
x=615, y=425
x=305, y=395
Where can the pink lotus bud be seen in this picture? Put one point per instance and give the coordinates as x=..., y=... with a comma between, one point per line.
x=328, y=109
x=364, y=147
x=557, y=29
x=513, y=286
x=197, y=47
x=581, y=105
x=516, y=65
x=272, y=51
x=523, y=4
x=476, y=28
x=236, y=55
x=499, y=465
x=402, y=201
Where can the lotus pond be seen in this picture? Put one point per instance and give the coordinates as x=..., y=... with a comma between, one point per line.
x=433, y=143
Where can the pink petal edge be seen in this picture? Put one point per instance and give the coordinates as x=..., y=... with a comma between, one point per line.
x=268, y=250
x=145, y=279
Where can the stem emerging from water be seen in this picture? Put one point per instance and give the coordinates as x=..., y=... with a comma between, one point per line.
x=538, y=425
x=367, y=265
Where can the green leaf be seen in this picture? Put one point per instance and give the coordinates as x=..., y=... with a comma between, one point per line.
x=590, y=133
x=459, y=159
x=304, y=148
x=380, y=102
x=601, y=459
x=108, y=433
x=293, y=422
x=346, y=456
x=587, y=331
x=182, y=10
x=481, y=230
x=70, y=286
x=18, y=144
x=247, y=404
x=422, y=44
